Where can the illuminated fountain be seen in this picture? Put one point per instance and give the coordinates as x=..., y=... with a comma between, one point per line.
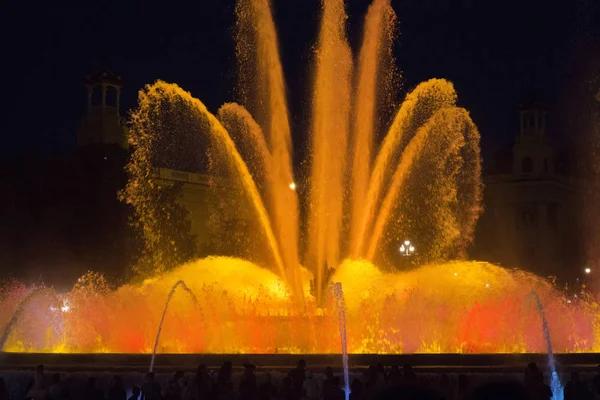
x=358, y=201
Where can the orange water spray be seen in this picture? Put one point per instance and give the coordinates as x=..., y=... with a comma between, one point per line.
x=262, y=88
x=329, y=132
x=425, y=182
x=375, y=54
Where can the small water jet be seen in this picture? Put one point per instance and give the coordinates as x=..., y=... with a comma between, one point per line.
x=42, y=291
x=340, y=305
x=162, y=318
x=555, y=385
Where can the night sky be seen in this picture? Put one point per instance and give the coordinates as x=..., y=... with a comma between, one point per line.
x=498, y=54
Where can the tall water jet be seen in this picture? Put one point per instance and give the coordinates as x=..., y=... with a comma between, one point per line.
x=340, y=304
x=555, y=385
x=162, y=318
x=329, y=132
x=262, y=89
x=374, y=75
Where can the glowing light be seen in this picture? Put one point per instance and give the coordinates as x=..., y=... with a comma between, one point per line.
x=456, y=274
x=588, y=270
x=487, y=285
x=407, y=249
x=292, y=186
x=65, y=308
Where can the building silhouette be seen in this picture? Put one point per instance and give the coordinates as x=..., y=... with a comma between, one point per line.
x=531, y=212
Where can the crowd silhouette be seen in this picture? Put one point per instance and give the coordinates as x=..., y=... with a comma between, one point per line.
x=300, y=383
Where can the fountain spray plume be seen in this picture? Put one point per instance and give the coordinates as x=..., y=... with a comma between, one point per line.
x=262, y=90
x=329, y=132
x=158, y=103
x=417, y=108
x=425, y=177
x=162, y=318
x=435, y=152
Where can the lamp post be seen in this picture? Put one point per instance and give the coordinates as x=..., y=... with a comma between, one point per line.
x=407, y=249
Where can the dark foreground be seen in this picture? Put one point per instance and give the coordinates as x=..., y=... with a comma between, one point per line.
x=287, y=377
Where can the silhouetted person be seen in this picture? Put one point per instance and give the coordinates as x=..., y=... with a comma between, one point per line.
x=462, y=387
x=411, y=392
x=176, y=387
x=56, y=390
x=266, y=389
x=534, y=384
x=394, y=376
x=226, y=392
x=117, y=389
x=446, y=387
x=38, y=389
x=575, y=389
x=357, y=390
x=151, y=389
x=373, y=385
x=298, y=376
x=531, y=372
x=224, y=375
x=328, y=376
x=287, y=391
x=596, y=383
x=40, y=378
x=310, y=387
x=202, y=383
x=370, y=377
x=499, y=391
x=408, y=375
x=135, y=393
x=336, y=392
x=91, y=390
x=248, y=388
x=4, y=395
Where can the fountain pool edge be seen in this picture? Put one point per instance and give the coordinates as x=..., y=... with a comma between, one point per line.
x=316, y=362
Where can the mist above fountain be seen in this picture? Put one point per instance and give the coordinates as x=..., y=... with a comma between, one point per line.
x=358, y=199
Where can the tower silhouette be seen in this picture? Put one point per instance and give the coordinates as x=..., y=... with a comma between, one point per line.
x=102, y=122
x=532, y=152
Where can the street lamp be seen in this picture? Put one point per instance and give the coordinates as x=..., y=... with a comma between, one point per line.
x=407, y=249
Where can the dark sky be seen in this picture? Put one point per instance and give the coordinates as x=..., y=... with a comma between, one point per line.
x=497, y=53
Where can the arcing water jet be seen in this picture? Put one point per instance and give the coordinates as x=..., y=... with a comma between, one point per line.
x=162, y=319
